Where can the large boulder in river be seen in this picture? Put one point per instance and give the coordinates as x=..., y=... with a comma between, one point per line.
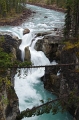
x=27, y=54
x=25, y=31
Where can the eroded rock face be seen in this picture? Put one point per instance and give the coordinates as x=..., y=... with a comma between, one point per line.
x=51, y=80
x=12, y=109
x=11, y=45
x=49, y=45
x=9, y=104
x=52, y=83
x=71, y=78
x=66, y=82
x=26, y=31
x=27, y=54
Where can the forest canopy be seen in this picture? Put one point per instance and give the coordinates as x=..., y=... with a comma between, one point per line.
x=72, y=19
x=11, y=6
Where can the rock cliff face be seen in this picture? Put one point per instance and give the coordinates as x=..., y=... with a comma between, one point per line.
x=69, y=72
x=11, y=45
x=70, y=79
x=27, y=54
x=67, y=81
x=9, y=107
x=49, y=45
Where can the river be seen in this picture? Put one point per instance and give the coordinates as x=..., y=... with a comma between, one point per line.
x=28, y=85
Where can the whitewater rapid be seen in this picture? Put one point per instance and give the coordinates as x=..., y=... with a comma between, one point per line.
x=28, y=86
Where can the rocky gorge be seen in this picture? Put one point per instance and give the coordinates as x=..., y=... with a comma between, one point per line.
x=9, y=106
x=62, y=84
x=62, y=80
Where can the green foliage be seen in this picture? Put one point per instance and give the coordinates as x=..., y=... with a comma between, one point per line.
x=39, y=110
x=73, y=99
x=5, y=100
x=67, y=21
x=59, y=3
x=7, y=6
x=71, y=45
x=6, y=59
x=72, y=19
x=24, y=64
x=54, y=106
x=5, y=81
x=2, y=40
x=68, y=45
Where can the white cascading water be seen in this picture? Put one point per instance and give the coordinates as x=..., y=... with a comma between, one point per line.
x=26, y=41
x=24, y=84
x=28, y=85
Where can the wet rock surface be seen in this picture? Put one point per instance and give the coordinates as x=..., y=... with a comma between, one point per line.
x=67, y=81
x=11, y=45
x=27, y=54
x=9, y=105
x=26, y=31
x=50, y=46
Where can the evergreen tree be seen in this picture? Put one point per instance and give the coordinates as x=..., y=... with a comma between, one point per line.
x=67, y=20
x=6, y=6
x=72, y=19
x=75, y=18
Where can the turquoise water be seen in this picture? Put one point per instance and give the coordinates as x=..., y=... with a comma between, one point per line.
x=28, y=85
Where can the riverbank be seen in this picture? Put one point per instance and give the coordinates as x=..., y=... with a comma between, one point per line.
x=52, y=7
x=17, y=19
x=20, y=18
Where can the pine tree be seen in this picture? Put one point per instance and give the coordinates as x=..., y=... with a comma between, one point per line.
x=67, y=20
x=75, y=18
x=6, y=6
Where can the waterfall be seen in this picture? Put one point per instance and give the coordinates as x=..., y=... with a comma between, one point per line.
x=28, y=86
x=26, y=41
x=33, y=75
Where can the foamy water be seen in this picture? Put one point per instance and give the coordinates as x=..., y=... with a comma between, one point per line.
x=28, y=86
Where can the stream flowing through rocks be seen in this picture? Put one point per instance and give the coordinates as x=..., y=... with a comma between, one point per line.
x=28, y=86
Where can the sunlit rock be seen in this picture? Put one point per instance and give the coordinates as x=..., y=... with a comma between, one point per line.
x=50, y=46
x=44, y=33
x=27, y=54
x=26, y=31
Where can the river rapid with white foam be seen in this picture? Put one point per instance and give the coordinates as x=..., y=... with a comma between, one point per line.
x=28, y=86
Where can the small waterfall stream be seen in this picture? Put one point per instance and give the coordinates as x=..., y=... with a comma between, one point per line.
x=26, y=41
x=28, y=85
